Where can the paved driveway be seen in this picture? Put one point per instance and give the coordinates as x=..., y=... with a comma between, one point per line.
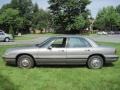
x=98, y=38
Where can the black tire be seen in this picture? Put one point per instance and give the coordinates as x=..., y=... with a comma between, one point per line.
x=7, y=39
x=25, y=61
x=95, y=62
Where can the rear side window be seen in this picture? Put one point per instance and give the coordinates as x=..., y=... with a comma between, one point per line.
x=78, y=43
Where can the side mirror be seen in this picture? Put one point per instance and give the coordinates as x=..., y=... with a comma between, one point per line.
x=50, y=47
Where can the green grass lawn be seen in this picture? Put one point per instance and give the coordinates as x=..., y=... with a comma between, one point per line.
x=60, y=78
x=33, y=36
x=27, y=37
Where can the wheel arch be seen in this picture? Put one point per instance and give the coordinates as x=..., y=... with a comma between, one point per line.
x=6, y=37
x=98, y=55
x=25, y=54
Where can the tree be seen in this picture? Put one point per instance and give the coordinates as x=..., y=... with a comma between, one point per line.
x=79, y=23
x=8, y=18
x=35, y=8
x=69, y=15
x=107, y=18
x=41, y=20
x=11, y=31
x=25, y=8
x=4, y=7
x=118, y=9
x=23, y=15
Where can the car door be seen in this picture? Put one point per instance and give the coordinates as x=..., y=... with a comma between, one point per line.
x=78, y=50
x=1, y=36
x=55, y=52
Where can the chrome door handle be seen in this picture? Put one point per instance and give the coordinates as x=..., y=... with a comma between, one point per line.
x=87, y=50
x=62, y=50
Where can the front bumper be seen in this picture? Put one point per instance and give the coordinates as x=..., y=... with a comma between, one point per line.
x=111, y=59
x=10, y=61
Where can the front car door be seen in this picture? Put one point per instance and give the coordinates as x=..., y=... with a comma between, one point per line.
x=54, y=52
x=78, y=50
x=2, y=36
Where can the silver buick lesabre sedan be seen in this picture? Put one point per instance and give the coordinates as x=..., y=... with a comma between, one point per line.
x=65, y=50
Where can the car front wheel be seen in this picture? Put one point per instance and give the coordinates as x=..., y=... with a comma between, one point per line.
x=25, y=61
x=7, y=40
x=95, y=62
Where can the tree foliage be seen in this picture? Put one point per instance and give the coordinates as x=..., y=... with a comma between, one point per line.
x=107, y=18
x=11, y=31
x=118, y=9
x=22, y=15
x=35, y=8
x=9, y=18
x=69, y=15
x=41, y=19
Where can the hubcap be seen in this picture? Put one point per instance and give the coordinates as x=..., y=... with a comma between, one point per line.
x=25, y=62
x=6, y=39
x=96, y=63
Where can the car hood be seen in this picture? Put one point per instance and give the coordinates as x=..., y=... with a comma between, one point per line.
x=9, y=35
x=21, y=49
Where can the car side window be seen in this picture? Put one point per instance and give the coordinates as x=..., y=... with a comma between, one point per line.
x=59, y=43
x=78, y=43
x=1, y=33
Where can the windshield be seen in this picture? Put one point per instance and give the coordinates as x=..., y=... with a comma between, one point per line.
x=44, y=43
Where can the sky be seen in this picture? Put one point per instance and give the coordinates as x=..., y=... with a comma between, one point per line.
x=94, y=7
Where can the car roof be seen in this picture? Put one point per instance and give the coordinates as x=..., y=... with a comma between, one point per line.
x=67, y=36
x=77, y=36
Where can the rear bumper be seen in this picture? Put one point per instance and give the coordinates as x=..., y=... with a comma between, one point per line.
x=10, y=61
x=111, y=59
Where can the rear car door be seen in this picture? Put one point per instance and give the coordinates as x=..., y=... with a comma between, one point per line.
x=78, y=50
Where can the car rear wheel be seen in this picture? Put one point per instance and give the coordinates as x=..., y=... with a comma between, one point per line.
x=95, y=62
x=7, y=39
x=25, y=61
